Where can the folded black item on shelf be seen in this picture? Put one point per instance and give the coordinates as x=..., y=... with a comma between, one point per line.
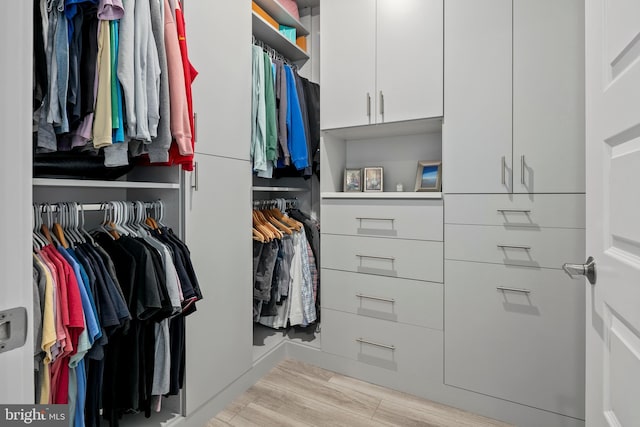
x=79, y=165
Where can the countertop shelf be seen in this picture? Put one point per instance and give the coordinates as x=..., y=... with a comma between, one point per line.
x=383, y=195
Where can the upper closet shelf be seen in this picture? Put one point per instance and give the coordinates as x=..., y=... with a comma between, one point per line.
x=383, y=195
x=55, y=182
x=262, y=30
x=282, y=15
x=409, y=127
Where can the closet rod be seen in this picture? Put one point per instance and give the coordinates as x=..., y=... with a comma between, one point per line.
x=89, y=207
x=275, y=54
x=289, y=203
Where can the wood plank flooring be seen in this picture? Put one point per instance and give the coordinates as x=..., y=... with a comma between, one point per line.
x=296, y=394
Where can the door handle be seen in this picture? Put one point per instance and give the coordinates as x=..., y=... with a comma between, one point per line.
x=504, y=167
x=369, y=106
x=588, y=270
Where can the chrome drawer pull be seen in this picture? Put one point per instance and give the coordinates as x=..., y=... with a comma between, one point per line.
x=526, y=248
x=363, y=341
x=526, y=211
x=390, y=258
x=391, y=300
x=524, y=291
x=360, y=218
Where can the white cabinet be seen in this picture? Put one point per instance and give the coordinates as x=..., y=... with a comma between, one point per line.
x=222, y=90
x=381, y=61
x=514, y=107
x=477, y=128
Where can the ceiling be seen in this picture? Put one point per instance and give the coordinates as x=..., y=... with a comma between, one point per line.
x=308, y=3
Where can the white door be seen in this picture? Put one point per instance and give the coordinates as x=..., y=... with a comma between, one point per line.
x=613, y=211
x=16, y=366
x=348, y=61
x=409, y=59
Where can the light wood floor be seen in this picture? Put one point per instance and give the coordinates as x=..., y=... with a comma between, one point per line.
x=296, y=394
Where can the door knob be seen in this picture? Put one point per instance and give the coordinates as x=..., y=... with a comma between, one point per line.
x=588, y=270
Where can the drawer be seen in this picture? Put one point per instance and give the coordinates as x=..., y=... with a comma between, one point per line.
x=525, y=246
x=411, y=353
x=410, y=259
x=405, y=219
x=397, y=300
x=523, y=347
x=532, y=210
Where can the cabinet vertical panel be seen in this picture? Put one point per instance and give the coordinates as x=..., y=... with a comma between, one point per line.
x=219, y=38
x=409, y=29
x=477, y=127
x=548, y=96
x=218, y=229
x=525, y=345
x=347, y=66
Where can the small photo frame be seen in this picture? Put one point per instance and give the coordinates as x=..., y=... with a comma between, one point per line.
x=352, y=180
x=429, y=176
x=373, y=179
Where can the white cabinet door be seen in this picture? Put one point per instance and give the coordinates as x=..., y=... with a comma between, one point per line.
x=218, y=229
x=476, y=134
x=347, y=68
x=16, y=366
x=409, y=59
x=548, y=96
x=222, y=91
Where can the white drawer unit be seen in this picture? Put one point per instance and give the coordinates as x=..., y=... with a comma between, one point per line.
x=517, y=210
x=516, y=333
x=410, y=259
x=412, y=352
x=524, y=246
x=398, y=300
x=405, y=219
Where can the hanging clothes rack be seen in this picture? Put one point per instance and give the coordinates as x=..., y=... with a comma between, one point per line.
x=283, y=204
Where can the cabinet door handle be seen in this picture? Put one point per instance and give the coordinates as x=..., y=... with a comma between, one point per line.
x=526, y=248
x=376, y=344
x=526, y=211
x=195, y=176
x=504, y=167
x=390, y=258
x=360, y=218
x=195, y=127
x=391, y=300
x=522, y=169
x=382, y=104
x=369, y=105
x=505, y=289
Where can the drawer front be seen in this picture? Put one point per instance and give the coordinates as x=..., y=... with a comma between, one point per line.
x=530, y=247
x=397, y=300
x=405, y=219
x=409, y=259
x=413, y=353
x=514, y=345
x=532, y=210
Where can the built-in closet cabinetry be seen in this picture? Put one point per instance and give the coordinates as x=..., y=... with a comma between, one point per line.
x=218, y=198
x=382, y=252
x=514, y=88
x=381, y=61
x=514, y=182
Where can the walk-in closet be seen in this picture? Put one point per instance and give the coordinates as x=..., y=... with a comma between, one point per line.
x=398, y=196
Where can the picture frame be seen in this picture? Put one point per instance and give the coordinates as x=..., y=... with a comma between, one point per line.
x=352, y=180
x=374, y=179
x=429, y=176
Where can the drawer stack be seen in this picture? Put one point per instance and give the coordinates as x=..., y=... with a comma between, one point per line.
x=514, y=321
x=382, y=300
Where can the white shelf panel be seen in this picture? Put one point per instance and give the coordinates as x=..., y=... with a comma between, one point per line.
x=262, y=30
x=279, y=189
x=58, y=182
x=383, y=195
x=282, y=15
x=411, y=127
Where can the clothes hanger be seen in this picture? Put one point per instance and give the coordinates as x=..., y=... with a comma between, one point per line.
x=38, y=240
x=44, y=227
x=83, y=231
x=72, y=225
x=260, y=226
x=266, y=223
